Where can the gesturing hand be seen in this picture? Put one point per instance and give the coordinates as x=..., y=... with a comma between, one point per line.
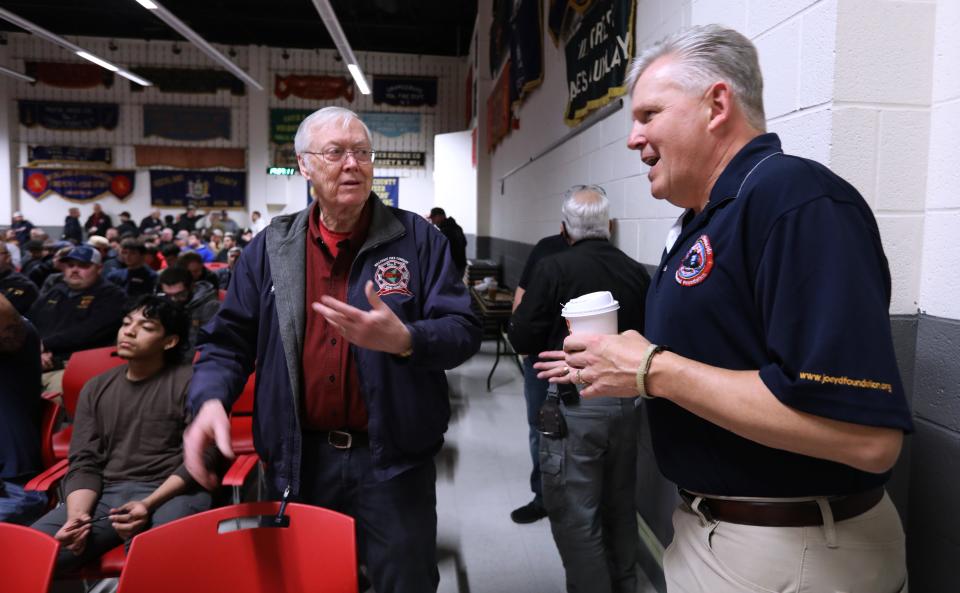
x=210, y=426
x=130, y=519
x=377, y=329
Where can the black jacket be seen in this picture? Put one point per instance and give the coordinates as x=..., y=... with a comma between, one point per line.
x=69, y=321
x=588, y=266
x=72, y=231
x=458, y=242
x=18, y=289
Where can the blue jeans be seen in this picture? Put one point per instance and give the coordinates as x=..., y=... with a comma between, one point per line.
x=18, y=505
x=535, y=393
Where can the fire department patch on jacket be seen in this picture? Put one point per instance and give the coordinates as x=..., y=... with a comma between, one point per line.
x=696, y=264
x=392, y=276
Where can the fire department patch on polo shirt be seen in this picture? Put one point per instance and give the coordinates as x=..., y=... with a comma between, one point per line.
x=696, y=264
x=392, y=276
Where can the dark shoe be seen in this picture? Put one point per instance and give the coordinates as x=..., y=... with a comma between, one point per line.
x=529, y=513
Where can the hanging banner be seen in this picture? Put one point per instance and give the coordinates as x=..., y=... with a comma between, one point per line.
x=71, y=75
x=404, y=91
x=498, y=110
x=189, y=80
x=499, y=34
x=283, y=128
x=391, y=124
x=400, y=158
x=205, y=189
x=598, y=54
x=63, y=115
x=182, y=122
x=77, y=185
x=526, y=49
x=388, y=190
x=321, y=88
x=189, y=157
x=563, y=16
x=468, y=104
x=68, y=155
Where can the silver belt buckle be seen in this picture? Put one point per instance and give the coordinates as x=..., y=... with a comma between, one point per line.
x=340, y=439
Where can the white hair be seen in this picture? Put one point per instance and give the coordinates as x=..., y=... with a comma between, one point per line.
x=586, y=213
x=322, y=117
x=706, y=54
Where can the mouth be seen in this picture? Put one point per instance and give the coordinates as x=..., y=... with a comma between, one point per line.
x=650, y=161
x=126, y=345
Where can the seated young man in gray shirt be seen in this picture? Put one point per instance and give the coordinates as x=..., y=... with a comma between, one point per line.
x=126, y=462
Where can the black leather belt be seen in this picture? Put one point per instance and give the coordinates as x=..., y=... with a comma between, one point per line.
x=343, y=439
x=783, y=514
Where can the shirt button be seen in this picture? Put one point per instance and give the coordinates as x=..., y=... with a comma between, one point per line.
x=333, y=342
x=332, y=378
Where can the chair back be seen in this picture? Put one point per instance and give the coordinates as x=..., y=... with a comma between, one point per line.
x=225, y=549
x=50, y=413
x=27, y=558
x=244, y=404
x=83, y=366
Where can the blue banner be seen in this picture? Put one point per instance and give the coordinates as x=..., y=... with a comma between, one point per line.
x=405, y=91
x=391, y=124
x=68, y=154
x=181, y=122
x=205, y=189
x=63, y=115
x=388, y=190
x=78, y=185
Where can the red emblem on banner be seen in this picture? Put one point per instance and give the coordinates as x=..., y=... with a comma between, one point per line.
x=696, y=264
x=37, y=183
x=121, y=186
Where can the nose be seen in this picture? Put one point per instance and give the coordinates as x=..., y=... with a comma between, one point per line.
x=636, y=140
x=350, y=160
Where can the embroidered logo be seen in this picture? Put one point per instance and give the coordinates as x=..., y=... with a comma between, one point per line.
x=392, y=276
x=696, y=264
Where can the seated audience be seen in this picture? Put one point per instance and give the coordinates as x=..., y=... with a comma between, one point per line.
x=135, y=277
x=224, y=274
x=58, y=267
x=151, y=221
x=17, y=288
x=198, y=298
x=20, y=409
x=227, y=224
x=98, y=222
x=197, y=246
x=166, y=237
x=21, y=227
x=194, y=264
x=40, y=263
x=189, y=219
x=10, y=240
x=153, y=258
x=229, y=242
x=127, y=226
x=72, y=231
x=82, y=312
x=126, y=461
x=216, y=242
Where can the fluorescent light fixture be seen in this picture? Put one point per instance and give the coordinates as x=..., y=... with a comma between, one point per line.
x=17, y=75
x=98, y=61
x=329, y=18
x=38, y=31
x=358, y=78
x=193, y=37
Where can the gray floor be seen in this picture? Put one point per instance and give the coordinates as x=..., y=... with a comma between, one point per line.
x=483, y=473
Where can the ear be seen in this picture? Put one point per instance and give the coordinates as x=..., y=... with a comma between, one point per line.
x=171, y=342
x=720, y=104
x=302, y=163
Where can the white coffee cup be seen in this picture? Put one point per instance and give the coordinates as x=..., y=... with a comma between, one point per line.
x=593, y=313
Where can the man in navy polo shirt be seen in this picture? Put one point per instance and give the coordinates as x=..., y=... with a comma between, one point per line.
x=778, y=409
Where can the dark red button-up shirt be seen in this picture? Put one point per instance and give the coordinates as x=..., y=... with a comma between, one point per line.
x=332, y=398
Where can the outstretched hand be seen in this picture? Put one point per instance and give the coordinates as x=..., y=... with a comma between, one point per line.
x=211, y=425
x=377, y=329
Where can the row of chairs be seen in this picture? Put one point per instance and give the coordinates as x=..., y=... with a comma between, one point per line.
x=55, y=444
x=235, y=549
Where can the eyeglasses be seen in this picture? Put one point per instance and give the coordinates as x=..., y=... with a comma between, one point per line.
x=335, y=154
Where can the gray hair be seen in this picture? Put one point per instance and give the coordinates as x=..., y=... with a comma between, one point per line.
x=586, y=213
x=322, y=117
x=706, y=54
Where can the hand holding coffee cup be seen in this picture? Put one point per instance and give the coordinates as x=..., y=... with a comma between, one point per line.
x=594, y=313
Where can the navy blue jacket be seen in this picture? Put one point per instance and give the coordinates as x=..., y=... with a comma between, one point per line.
x=262, y=323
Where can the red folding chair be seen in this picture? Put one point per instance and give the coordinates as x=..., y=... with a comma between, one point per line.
x=241, y=438
x=215, y=265
x=228, y=549
x=27, y=558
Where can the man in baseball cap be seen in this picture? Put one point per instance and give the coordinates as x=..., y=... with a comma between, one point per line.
x=82, y=312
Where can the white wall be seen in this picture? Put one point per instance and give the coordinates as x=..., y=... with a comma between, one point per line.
x=250, y=119
x=940, y=285
x=847, y=83
x=455, y=179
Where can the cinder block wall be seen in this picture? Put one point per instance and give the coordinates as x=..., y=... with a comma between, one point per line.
x=870, y=88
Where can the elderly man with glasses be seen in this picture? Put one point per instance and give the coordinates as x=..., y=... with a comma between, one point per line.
x=350, y=311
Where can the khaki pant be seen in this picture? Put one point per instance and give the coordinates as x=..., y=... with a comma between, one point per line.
x=52, y=380
x=865, y=554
